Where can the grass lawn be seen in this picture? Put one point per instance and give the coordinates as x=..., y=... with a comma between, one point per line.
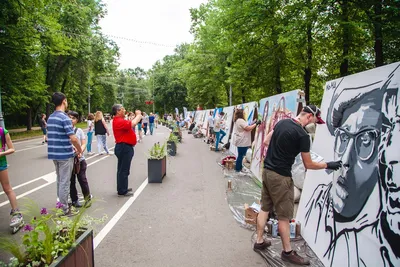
x=37, y=133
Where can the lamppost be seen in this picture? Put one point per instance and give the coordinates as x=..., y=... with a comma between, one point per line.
x=1, y=112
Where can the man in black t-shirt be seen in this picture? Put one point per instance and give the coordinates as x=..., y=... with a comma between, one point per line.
x=286, y=141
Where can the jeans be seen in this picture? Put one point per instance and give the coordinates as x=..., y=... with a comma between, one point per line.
x=63, y=172
x=101, y=142
x=82, y=182
x=124, y=153
x=219, y=136
x=89, y=141
x=145, y=128
x=239, y=161
x=151, y=128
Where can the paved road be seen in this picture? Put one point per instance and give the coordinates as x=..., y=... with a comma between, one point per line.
x=185, y=221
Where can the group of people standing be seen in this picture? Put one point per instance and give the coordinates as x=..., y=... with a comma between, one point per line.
x=147, y=122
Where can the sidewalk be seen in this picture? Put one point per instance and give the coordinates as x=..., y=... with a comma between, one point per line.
x=22, y=130
x=185, y=221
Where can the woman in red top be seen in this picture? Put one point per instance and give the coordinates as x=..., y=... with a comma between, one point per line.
x=125, y=139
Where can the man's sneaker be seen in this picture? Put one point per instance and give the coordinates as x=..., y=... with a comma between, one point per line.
x=295, y=258
x=88, y=201
x=262, y=246
x=110, y=153
x=71, y=212
x=241, y=173
x=128, y=194
x=76, y=204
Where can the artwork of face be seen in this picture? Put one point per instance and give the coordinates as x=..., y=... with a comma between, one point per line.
x=390, y=167
x=356, y=145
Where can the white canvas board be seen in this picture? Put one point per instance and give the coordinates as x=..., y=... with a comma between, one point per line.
x=351, y=217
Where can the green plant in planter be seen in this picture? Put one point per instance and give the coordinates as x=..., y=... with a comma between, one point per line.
x=48, y=236
x=173, y=138
x=157, y=151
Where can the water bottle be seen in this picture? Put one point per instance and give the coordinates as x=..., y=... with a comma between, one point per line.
x=292, y=229
x=275, y=229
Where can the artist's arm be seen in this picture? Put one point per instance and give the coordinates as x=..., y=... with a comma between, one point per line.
x=312, y=165
x=10, y=146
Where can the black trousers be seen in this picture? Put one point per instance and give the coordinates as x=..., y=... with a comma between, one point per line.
x=124, y=153
x=82, y=182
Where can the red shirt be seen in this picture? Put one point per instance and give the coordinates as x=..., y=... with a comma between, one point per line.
x=123, y=132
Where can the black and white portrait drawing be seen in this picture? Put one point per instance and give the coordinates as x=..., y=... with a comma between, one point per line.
x=351, y=217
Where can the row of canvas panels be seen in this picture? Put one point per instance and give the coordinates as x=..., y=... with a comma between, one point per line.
x=268, y=110
x=350, y=217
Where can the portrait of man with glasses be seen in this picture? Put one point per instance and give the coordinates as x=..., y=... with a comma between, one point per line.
x=344, y=213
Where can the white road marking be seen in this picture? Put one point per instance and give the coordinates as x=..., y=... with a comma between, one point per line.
x=42, y=145
x=50, y=178
x=106, y=229
x=44, y=177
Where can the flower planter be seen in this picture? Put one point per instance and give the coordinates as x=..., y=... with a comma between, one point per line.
x=171, y=147
x=156, y=169
x=178, y=134
x=82, y=255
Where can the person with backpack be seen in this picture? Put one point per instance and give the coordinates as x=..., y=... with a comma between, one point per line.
x=80, y=167
x=16, y=217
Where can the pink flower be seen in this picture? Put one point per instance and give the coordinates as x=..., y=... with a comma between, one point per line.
x=59, y=205
x=28, y=228
x=43, y=211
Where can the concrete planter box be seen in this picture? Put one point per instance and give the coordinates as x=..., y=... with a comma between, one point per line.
x=82, y=255
x=156, y=169
x=171, y=148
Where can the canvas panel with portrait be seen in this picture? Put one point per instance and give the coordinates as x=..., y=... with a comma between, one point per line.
x=349, y=216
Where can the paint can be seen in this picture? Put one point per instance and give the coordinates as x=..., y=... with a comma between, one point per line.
x=269, y=226
x=275, y=229
x=292, y=229
x=298, y=229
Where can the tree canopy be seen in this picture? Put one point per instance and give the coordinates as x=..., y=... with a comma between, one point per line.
x=256, y=47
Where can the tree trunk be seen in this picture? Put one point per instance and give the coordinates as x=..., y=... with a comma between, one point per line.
x=243, y=96
x=378, y=46
x=307, y=70
x=344, y=66
x=29, y=119
x=64, y=84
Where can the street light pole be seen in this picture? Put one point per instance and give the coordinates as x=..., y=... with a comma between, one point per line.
x=1, y=112
x=89, y=98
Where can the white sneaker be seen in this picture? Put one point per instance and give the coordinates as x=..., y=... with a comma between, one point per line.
x=110, y=153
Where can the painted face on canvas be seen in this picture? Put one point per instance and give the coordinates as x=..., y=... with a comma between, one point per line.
x=356, y=145
x=390, y=165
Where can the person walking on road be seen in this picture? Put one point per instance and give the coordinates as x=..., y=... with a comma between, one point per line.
x=43, y=126
x=242, y=138
x=16, y=216
x=151, y=122
x=61, y=140
x=145, y=122
x=90, y=124
x=285, y=142
x=79, y=172
x=125, y=140
x=100, y=130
